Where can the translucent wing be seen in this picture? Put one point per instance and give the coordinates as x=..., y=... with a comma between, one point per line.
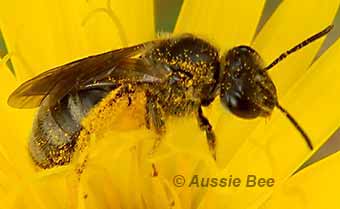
x=123, y=64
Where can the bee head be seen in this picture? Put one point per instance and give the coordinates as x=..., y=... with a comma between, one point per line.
x=246, y=89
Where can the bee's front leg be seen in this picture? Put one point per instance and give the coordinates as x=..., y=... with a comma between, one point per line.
x=207, y=127
x=154, y=118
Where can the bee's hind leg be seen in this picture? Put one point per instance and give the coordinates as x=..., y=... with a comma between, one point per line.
x=207, y=127
x=154, y=118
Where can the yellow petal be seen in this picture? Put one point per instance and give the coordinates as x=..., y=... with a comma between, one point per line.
x=50, y=191
x=179, y=168
x=41, y=35
x=112, y=24
x=130, y=173
x=291, y=23
x=225, y=23
x=314, y=187
x=16, y=166
x=129, y=178
x=231, y=131
x=15, y=128
x=276, y=149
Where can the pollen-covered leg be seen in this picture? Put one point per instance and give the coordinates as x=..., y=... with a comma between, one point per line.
x=155, y=118
x=206, y=126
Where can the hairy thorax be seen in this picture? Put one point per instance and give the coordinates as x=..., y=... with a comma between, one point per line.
x=194, y=67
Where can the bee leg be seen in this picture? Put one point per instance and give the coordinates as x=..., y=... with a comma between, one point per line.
x=147, y=114
x=154, y=117
x=206, y=126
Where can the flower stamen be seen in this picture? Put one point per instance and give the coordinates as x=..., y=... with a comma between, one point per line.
x=115, y=20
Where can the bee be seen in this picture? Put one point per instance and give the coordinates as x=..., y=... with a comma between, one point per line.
x=177, y=75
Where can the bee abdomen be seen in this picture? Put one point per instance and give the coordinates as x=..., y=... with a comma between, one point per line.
x=54, y=135
x=56, y=129
x=47, y=155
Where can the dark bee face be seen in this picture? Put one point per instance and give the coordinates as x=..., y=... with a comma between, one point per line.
x=246, y=89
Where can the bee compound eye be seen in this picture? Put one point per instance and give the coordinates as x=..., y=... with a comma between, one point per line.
x=239, y=105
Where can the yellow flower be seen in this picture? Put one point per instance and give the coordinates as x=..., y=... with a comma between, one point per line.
x=114, y=172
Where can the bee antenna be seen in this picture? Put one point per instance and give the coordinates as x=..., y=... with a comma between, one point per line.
x=299, y=46
x=297, y=126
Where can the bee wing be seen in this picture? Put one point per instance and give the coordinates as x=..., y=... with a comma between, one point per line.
x=122, y=64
